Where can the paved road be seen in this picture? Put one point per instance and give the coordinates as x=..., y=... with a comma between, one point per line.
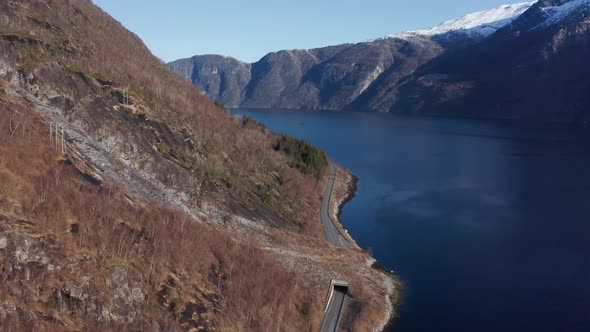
x=332, y=232
x=332, y=317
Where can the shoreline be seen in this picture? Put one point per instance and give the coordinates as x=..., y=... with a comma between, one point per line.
x=395, y=287
x=351, y=188
x=392, y=282
x=337, y=203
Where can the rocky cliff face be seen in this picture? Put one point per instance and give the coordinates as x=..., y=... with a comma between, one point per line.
x=326, y=78
x=222, y=78
x=525, y=60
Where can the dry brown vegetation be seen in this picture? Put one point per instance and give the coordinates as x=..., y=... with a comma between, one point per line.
x=245, y=289
x=85, y=41
x=69, y=237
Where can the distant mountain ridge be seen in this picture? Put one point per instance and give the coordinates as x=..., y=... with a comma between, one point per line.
x=536, y=68
x=442, y=70
x=474, y=26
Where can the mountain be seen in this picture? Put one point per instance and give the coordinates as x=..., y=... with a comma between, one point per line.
x=220, y=76
x=475, y=26
x=130, y=201
x=536, y=67
x=352, y=76
x=324, y=78
x=520, y=61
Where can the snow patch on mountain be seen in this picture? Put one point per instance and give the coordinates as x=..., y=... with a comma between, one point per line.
x=558, y=14
x=483, y=23
x=477, y=25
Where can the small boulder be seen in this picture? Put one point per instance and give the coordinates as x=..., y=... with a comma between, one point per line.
x=137, y=295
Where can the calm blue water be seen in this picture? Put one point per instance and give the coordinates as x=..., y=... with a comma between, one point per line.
x=488, y=225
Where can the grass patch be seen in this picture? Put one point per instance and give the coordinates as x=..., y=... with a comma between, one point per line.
x=76, y=69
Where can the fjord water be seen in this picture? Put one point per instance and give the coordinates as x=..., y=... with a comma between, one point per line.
x=487, y=224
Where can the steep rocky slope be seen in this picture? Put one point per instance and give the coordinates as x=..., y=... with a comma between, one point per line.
x=325, y=78
x=222, y=77
x=129, y=201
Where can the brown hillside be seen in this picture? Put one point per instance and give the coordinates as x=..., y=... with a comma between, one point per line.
x=155, y=210
x=78, y=59
x=74, y=255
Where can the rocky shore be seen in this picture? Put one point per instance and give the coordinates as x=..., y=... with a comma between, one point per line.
x=344, y=191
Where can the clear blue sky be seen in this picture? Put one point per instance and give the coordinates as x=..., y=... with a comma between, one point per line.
x=247, y=30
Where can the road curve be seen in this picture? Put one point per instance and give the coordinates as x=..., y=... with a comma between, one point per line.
x=332, y=232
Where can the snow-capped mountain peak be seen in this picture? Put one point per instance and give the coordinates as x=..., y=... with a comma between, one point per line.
x=562, y=12
x=477, y=25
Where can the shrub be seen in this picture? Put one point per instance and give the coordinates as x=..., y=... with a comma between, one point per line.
x=305, y=157
x=246, y=121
